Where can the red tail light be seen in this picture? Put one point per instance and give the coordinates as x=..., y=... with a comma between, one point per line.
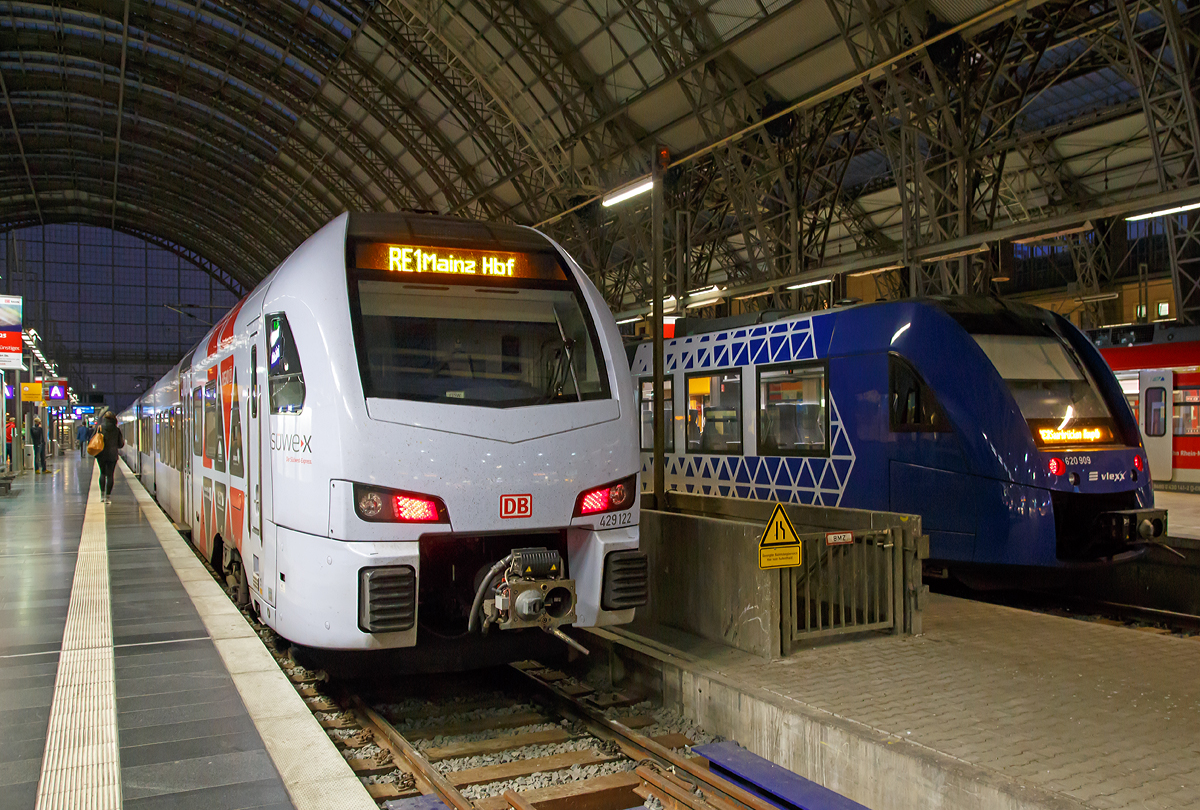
x=1138, y=464
x=378, y=505
x=614, y=497
x=1057, y=466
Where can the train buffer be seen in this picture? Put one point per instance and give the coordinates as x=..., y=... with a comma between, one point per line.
x=775, y=784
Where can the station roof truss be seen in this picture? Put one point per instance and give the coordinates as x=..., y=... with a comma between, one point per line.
x=807, y=136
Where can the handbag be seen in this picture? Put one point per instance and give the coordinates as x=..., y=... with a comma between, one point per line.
x=96, y=444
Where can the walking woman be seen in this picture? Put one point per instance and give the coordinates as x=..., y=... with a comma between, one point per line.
x=114, y=440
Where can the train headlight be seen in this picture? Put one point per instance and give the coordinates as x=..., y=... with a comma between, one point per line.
x=370, y=505
x=616, y=496
x=378, y=505
x=1138, y=464
x=1057, y=466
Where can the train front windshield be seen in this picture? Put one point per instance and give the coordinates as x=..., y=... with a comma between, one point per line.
x=474, y=338
x=1055, y=393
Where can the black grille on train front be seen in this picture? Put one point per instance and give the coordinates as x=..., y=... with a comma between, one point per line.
x=626, y=580
x=387, y=599
x=1077, y=528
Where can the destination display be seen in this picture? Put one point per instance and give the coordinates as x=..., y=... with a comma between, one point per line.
x=1088, y=435
x=442, y=261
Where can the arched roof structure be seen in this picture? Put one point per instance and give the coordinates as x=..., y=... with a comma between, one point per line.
x=807, y=134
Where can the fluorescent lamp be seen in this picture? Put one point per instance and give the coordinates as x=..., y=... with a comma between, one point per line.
x=623, y=194
x=1166, y=212
x=813, y=283
x=753, y=295
x=958, y=254
x=877, y=270
x=1045, y=237
x=705, y=297
x=1105, y=296
x=631, y=320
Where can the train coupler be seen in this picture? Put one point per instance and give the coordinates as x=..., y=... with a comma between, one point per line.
x=1134, y=526
x=532, y=592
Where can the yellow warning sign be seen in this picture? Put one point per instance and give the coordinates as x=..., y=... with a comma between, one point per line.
x=31, y=392
x=779, y=546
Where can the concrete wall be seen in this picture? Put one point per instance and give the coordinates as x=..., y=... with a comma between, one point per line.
x=705, y=580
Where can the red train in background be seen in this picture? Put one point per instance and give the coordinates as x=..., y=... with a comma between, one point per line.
x=1158, y=365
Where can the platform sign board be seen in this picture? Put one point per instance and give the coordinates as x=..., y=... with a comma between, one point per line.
x=10, y=331
x=56, y=390
x=31, y=392
x=779, y=546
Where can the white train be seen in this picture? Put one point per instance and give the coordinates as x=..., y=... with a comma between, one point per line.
x=415, y=428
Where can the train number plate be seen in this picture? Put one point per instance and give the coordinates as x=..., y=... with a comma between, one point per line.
x=516, y=506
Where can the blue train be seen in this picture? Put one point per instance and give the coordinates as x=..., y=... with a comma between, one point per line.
x=999, y=423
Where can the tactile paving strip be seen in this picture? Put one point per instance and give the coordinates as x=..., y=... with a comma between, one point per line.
x=81, y=765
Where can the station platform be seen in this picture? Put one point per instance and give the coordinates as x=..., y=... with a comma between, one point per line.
x=990, y=708
x=1183, y=512
x=128, y=678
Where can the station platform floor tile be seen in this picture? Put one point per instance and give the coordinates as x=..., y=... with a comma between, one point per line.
x=1050, y=711
x=114, y=689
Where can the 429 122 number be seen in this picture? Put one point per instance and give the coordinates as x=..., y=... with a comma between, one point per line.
x=616, y=519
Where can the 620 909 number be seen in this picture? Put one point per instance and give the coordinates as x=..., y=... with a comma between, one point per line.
x=616, y=519
x=1077, y=460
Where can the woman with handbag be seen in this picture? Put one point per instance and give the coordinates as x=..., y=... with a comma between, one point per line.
x=110, y=440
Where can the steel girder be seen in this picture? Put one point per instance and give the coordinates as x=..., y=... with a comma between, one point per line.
x=953, y=127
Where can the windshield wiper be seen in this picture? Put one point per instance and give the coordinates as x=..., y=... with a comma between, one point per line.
x=568, y=354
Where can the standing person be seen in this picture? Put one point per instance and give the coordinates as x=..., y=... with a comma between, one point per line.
x=82, y=435
x=38, y=436
x=113, y=442
x=9, y=430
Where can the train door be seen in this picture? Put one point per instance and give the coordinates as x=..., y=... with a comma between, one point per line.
x=1155, y=394
x=261, y=561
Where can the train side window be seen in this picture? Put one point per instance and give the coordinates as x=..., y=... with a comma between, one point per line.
x=197, y=421
x=254, y=381
x=912, y=406
x=1156, y=411
x=285, y=378
x=1186, y=412
x=714, y=418
x=793, y=410
x=211, y=424
x=646, y=385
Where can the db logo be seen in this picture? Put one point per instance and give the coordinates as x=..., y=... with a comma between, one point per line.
x=516, y=506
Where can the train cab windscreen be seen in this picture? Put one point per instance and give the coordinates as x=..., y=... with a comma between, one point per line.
x=1055, y=393
x=472, y=327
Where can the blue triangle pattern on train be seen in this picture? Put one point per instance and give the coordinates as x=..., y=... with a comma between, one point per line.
x=778, y=345
x=772, y=464
x=743, y=471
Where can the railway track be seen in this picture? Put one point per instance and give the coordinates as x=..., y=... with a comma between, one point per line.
x=613, y=766
x=547, y=742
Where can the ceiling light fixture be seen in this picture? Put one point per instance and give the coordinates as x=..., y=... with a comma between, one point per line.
x=627, y=192
x=1166, y=212
x=1046, y=237
x=958, y=254
x=876, y=271
x=1104, y=296
x=813, y=283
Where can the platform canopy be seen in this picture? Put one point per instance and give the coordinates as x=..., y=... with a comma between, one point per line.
x=806, y=136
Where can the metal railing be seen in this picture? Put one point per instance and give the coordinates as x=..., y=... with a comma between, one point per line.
x=840, y=589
